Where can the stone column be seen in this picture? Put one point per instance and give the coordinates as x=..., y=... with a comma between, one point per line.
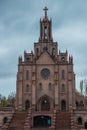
x=33, y=94
x=56, y=96
x=70, y=94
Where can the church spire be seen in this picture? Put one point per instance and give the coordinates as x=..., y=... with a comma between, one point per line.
x=45, y=10
x=45, y=42
x=45, y=28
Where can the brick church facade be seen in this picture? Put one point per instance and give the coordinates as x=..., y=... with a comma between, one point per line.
x=46, y=96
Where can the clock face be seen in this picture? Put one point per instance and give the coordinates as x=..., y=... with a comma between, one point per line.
x=45, y=73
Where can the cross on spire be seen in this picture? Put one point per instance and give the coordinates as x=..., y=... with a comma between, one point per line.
x=45, y=10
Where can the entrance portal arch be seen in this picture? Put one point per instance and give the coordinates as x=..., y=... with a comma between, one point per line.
x=45, y=105
x=41, y=121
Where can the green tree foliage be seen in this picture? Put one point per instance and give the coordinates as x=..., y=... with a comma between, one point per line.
x=85, y=86
x=3, y=101
x=81, y=86
x=11, y=99
x=7, y=102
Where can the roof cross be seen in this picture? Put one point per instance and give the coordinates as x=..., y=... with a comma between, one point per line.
x=45, y=9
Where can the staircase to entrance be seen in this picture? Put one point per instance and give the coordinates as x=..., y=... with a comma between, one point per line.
x=18, y=120
x=63, y=121
x=59, y=120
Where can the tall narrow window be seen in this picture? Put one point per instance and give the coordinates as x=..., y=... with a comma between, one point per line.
x=63, y=87
x=37, y=51
x=63, y=105
x=27, y=75
x=27, y=88
x=45, y=32
x=40, y=86
x=81, y=103
x=50, y=86
x=63, y=74
x=77, y=104
x=5, y=119
x=53, y=52
x=27, y=104
x=79, y=120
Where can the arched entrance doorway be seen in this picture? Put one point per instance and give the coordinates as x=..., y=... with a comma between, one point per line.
x=27, y=104
x=41, y=121
x=85, y=125
x=45, y=105
x=5, y=119
x=79, y=120
x=63, y=105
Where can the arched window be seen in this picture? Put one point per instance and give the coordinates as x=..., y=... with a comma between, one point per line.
x=27, y=104
x=50, y=86
x=63, y=105
x=27, y=75
x=37, y=51
x=53, y=51
x=63, y=87
x=63, y=74
x=79, y=120
x=5, y=119
x=81, y=104
x=77, y=104
x=27, y=88
x=63, y=58
x=45, y=32
x=40, y=86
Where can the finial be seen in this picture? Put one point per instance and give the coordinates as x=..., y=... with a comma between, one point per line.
x=45, y=9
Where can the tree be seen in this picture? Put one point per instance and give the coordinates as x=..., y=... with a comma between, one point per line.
x=7, y=102
x=11, y=99
x=3, y=101
x=85, y=86
x=81, y=86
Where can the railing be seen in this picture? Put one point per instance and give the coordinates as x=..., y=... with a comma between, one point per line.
x=81, y=108
x=6, y=109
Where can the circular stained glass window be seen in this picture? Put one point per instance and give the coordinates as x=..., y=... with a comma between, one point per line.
x=45, y=73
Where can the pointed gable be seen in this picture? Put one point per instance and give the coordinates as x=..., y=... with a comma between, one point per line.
x=45, y=59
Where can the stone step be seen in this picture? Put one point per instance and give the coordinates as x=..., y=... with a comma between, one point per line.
x=63, y=120
x=18, y=120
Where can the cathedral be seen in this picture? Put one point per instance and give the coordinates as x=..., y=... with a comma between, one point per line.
x=46, y=97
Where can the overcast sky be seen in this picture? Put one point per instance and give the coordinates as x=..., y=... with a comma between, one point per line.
x=19, y=29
